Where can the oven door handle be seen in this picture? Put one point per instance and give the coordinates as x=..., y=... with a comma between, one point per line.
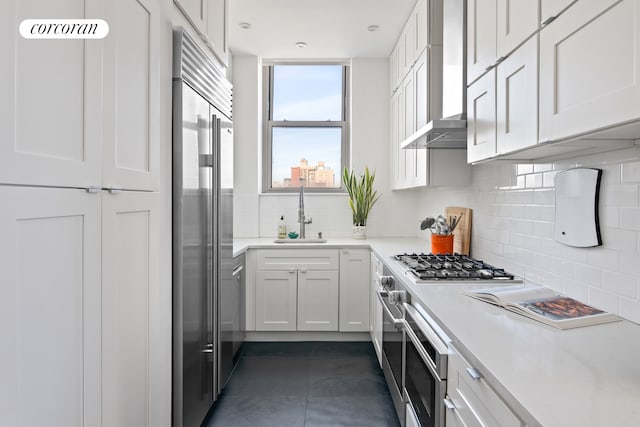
x=398, y=323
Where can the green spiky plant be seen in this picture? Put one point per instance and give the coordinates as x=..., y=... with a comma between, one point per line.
x=362, y=196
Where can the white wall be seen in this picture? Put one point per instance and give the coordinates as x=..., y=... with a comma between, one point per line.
x=513, y=219
x=258, y=215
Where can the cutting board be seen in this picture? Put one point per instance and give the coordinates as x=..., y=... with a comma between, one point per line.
x=462, y=233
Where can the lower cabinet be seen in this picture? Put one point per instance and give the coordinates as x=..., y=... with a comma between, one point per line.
x=354, y=290
x=312, y=290
x=297, y=290
x=375, y=317
x=79, y=308
x=470, y=399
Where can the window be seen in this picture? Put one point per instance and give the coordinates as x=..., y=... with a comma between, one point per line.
x=306, y=127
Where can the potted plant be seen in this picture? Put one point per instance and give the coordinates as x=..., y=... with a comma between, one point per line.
x=362, y=197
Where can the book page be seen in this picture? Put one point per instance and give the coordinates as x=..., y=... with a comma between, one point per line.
x=560, y=308
x=511, y=294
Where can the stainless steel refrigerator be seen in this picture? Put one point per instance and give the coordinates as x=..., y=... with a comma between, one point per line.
x=202, y=228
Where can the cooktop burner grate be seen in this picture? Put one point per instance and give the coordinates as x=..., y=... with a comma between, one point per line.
x=451, y=267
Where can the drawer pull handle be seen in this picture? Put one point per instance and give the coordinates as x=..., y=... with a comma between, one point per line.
x=473, y=373
x=449, y=404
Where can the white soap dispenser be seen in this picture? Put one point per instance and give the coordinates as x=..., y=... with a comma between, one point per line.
x=282, y=229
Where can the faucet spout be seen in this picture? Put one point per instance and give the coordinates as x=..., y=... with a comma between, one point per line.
x=301, y=218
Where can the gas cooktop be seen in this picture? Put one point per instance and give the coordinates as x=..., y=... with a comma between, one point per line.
x=428, y=267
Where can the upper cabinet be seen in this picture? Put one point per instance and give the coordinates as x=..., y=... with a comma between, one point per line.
x=550, y=9
x=210, y=20
x=81, y=113
x=590, y=68
x=495, y=28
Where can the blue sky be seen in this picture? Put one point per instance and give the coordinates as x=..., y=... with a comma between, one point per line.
x=304, y=92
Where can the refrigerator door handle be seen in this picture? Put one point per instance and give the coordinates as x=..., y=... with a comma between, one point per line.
x=206, y=160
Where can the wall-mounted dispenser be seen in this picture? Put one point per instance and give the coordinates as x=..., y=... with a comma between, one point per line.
x=577, y=193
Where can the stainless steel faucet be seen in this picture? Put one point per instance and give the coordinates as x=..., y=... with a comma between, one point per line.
x=301, y=218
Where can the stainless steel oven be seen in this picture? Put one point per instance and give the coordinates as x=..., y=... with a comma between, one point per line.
x=425, y=369
x=392, y=296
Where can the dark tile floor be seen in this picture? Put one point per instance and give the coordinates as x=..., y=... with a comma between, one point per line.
x=310, y=384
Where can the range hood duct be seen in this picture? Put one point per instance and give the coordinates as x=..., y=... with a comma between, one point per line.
x=451, y=130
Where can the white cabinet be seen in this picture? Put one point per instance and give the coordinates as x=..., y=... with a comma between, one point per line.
x=131, y=91
x=516, y=99
x=550, y=9
x=51, y=121
x=296, y=290
x=80, y=277
x=472, y=400
x=481, y=37
x=481, y=118
x=130, y=330
x=318, y=292
x=375, y=317
x=494, y=29
x=276, y=300
x=354, y=290
x=210, y=20
x=590, y=68
x=97, y=117
x=50, y=307
x=516, y=21
x=502, y=106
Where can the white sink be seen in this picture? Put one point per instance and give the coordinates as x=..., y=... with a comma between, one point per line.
x=312, y=240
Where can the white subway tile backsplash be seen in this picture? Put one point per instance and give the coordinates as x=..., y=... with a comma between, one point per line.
x=620, y=195
x=604, y=300
x=600, y=257
x=630, y=218
x=514, y=215
x=588, y=275
x=620, y=284
x=630, y=172
x=630, y=309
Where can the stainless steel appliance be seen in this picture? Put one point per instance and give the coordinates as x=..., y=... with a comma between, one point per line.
x=425, y=369
x=202, y=226
x=430, y=267
x=392, y=298
x=232, y=315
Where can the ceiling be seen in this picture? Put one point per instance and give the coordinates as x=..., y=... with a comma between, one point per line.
x=332, y=29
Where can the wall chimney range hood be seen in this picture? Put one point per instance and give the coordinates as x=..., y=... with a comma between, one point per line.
x=451, y=130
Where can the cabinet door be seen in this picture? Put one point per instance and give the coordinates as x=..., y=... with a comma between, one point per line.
x=424, y=100
x=218, y=29
x=550, y=9
x=317, y=300
x=355, y=282
x=196, y=12
x=421, y=21
x=407, y=114
x=409, y=37
x=49, y=307
x=133, y=369
x=481, y=118
x=131, y=95
x=51, y=101
x=276, y=300
x=393, y=69
x=481, y=37
x=590, y=68
x=517, y=20
x=394, y=144
x=516, y=99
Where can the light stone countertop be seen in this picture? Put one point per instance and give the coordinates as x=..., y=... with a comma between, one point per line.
x=583, y=377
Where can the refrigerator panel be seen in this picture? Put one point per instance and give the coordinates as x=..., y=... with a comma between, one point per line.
x=229, y=290
x=195, y=163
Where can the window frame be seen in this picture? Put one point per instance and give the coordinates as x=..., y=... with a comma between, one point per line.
x=269, y=124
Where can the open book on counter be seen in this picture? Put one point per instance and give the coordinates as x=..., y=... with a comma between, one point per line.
x=544, y=305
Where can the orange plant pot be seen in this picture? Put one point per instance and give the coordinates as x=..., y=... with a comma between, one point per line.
x=441, y=244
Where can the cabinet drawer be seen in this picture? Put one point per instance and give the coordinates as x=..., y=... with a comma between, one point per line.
x=476, y=403
x=376, y=266
x=285, y=259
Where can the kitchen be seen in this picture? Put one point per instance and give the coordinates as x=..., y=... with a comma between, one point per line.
x=90, y=203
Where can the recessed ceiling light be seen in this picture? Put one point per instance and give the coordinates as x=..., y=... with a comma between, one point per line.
x=244, y=25
x=373, y=27
x=301, y=44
